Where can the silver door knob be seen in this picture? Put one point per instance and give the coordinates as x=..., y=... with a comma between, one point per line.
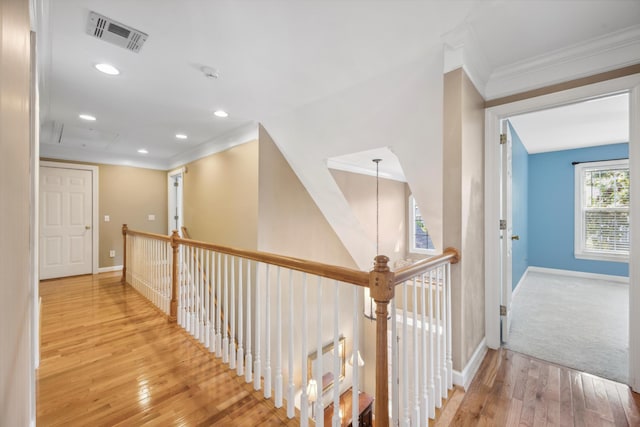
x=87, y=227
x=515, y=237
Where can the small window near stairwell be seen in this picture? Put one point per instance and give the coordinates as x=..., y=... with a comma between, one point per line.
x=419, y=238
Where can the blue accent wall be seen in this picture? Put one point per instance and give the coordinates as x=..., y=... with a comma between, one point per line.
x=519, y=203
x=551, y=209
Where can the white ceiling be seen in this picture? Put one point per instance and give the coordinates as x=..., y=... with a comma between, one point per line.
x=362, y=162
x=274, y=57
x=585, y=124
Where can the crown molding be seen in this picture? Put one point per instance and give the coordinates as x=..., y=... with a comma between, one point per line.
x=593, y=56
x=238, y=136
x=51, y=151
x=461, y=50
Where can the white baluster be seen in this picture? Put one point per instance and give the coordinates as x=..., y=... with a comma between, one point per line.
x=189, y=280
x=440, y=379
x=404, y=381
x=395, y=392
x=267, y=352
x=355, y=376
x=278, y=380
x=248, y=357
x=207, y=299
x=232, y=314
x=203, y=297
x=180, y=295
x=291, y=389
x=424, y=397
x=197, y=301
x=336, y=357
x=319, y=410
x=449, y=352
x=257, y=363
x=225, y=313
x=437, y=376
x=219, y=306
x=210, y=304
x=443, y=332
x=415, y=416
x=433, y=397
x=304, y=397
x=240, y=355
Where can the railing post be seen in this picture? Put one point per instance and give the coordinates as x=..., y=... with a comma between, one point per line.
x=124, y=253
x=173, y=309
x=382, y=288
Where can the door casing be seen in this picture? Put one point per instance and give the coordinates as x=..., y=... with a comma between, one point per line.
x=493, y=116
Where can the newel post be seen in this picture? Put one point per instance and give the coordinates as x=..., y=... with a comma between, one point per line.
x=173, y=309
x=381, y=287
x=124, y=253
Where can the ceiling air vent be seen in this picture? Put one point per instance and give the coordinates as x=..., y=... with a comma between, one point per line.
x=114, y=32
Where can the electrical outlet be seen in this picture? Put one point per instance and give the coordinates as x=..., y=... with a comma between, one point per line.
x=151, y=217
x=112, y=253
x=107, y=218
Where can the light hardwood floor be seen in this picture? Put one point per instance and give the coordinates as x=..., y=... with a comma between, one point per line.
x=109, y=358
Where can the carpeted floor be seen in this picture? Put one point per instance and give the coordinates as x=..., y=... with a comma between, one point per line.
x=579, y=323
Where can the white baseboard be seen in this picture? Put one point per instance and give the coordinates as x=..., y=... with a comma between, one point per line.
x=581, y=274
x=465, y=377
x=517, y=288
x=108, y=269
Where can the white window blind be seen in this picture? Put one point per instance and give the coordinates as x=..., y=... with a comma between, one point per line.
x=602, y=210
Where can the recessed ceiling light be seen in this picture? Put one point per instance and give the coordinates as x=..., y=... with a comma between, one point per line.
x=143, y=151
x=181, y=136
x=221, y=113
x=108, y=69
x=87, y=117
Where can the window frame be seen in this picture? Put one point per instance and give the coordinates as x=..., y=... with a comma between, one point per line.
x=580, y=251
x=412, y=231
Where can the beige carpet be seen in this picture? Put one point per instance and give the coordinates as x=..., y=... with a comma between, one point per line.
x=579, y=323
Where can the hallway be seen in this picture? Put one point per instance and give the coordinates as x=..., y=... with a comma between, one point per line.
x=110, y=358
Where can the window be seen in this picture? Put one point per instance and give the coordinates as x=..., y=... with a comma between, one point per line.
x=419, y=239
x=602, y=211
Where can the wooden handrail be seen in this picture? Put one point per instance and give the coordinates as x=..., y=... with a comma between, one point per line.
x=342, y=274
x=145, y=234
x=449, y=255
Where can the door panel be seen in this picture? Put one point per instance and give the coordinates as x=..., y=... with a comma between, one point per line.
x=506, y=242
x=66, y=237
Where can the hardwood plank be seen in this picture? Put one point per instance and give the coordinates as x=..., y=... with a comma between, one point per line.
x=110, y=358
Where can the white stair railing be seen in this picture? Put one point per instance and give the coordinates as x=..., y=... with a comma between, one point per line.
x=264, y=315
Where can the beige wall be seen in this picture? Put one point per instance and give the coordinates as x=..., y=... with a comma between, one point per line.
x=464, y=210
x=128, y=195
x=221, y=197
x=15, y=188
x=290, y=223
x=360, y=192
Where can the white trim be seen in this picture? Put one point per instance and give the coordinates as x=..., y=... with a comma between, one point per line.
x=94, y=205
x=238, y=136
x=520, y=282
x=350, y=167
x=579, y=274
x=492, y=198
x=412, y=233
x=465, y=377
x=109, y=269
x=461, y=50
x=593, y=56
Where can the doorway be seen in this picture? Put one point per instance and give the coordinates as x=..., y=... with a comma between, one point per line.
x=68, y=242
x=492, y=202
x=175, y=194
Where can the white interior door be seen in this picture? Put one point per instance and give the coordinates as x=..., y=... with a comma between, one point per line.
x=66, y=235
x=506, y=230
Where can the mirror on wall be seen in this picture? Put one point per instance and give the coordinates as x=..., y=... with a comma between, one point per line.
x=328, y=379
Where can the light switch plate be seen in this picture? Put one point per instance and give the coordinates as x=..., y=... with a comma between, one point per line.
x=112, y=253
x=107, y=218
x=151, y=217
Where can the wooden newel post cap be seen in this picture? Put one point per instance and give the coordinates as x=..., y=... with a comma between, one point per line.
x=381, y=280
x=174, y=237
x=124, y=229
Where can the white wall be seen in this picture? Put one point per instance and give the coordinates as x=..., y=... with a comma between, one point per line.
x=401, y=109
x=16, y=304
